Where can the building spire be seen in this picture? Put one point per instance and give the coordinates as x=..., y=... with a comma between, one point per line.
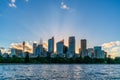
x=41, y=41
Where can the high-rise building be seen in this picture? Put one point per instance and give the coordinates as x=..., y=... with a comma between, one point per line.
x=23, y=49
x=71, y=48
x=84, y=51
x=51, y=45
x=34, y=48
x=13, y=52
x=16, y=52
x=39, y=50
x=98, y=52
x=65, y=50
x=105, y=54
x=0, y=52
x=91, y=52
x=60, y=48
x=83, y=44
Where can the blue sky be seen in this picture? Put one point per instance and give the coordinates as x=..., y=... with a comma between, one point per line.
x=96, y=20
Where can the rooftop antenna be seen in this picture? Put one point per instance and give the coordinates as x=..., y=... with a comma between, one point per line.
x=23, y=48
x=41, y=41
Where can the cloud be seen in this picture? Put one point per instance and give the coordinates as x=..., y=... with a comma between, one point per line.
x=12, y=3
x=28, y=46
x=3, y=50
x=64, y=6
x=19, y=46
x=45, y=45
x=113, y=48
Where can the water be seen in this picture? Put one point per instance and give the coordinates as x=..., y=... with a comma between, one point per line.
x=59, y=72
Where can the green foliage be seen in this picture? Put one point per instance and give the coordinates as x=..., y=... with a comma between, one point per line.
x=117, y=60
x=59, y=60
x=27, y=58
x=111, y=61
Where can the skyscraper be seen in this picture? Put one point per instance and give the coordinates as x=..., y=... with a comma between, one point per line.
x=60, y=48
x=105, y=53
x=16, y=52
x=83, y=52
x=91, y=52
x=34, y=48
x=39, y=50
x=98, y=52
x=40, y=46
x=13, y=52
x=71, y=49
x=23, y=48
x=83, y=44
x=51, y=45
x=0, y=52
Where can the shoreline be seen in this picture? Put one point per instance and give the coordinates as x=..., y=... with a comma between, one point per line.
x=52, y=64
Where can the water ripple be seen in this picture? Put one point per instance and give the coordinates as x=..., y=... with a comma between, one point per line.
x=60, y=72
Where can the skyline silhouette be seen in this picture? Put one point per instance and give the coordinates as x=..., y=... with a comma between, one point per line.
x=29, y=20
x=59, y=48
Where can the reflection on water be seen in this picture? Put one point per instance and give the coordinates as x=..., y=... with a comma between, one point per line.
x=59, y=72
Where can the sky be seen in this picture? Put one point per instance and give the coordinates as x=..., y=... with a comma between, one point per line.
x=98, y=21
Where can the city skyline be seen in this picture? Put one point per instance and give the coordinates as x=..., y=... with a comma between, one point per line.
x=70, y=51
x=30, y=20
x=60, y=50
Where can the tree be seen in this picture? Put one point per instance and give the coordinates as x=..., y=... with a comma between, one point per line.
x=27, y=59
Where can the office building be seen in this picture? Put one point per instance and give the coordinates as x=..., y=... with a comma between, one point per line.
x=0, y=52
x=83, y=49
x=16, y=52
x=98, y=52
x=90, y=52
x=71, y=47
x=83, y=44
x=60, y=48
x=34, y=49
x=13, y=52
x=5, y=55
x=51, y=45
x=39, y=50
x=105, y=54
x=23, y=53
x=65, y=50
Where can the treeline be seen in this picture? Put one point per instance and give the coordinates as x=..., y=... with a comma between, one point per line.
x=58, y=60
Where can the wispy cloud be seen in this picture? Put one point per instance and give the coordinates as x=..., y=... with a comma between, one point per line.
x=19, y=46
x=3, y=50
x=12, y=4
x=64, y=6
x=28, y=45
x=113, y=48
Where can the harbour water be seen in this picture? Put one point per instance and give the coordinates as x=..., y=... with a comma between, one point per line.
x=60, y=72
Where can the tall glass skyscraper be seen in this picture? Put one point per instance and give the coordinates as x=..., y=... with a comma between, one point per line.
x=51, y=45
x=34, y=49
x=60, y=48
x=39, y=50
x=98, y=53
x=71, y=48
